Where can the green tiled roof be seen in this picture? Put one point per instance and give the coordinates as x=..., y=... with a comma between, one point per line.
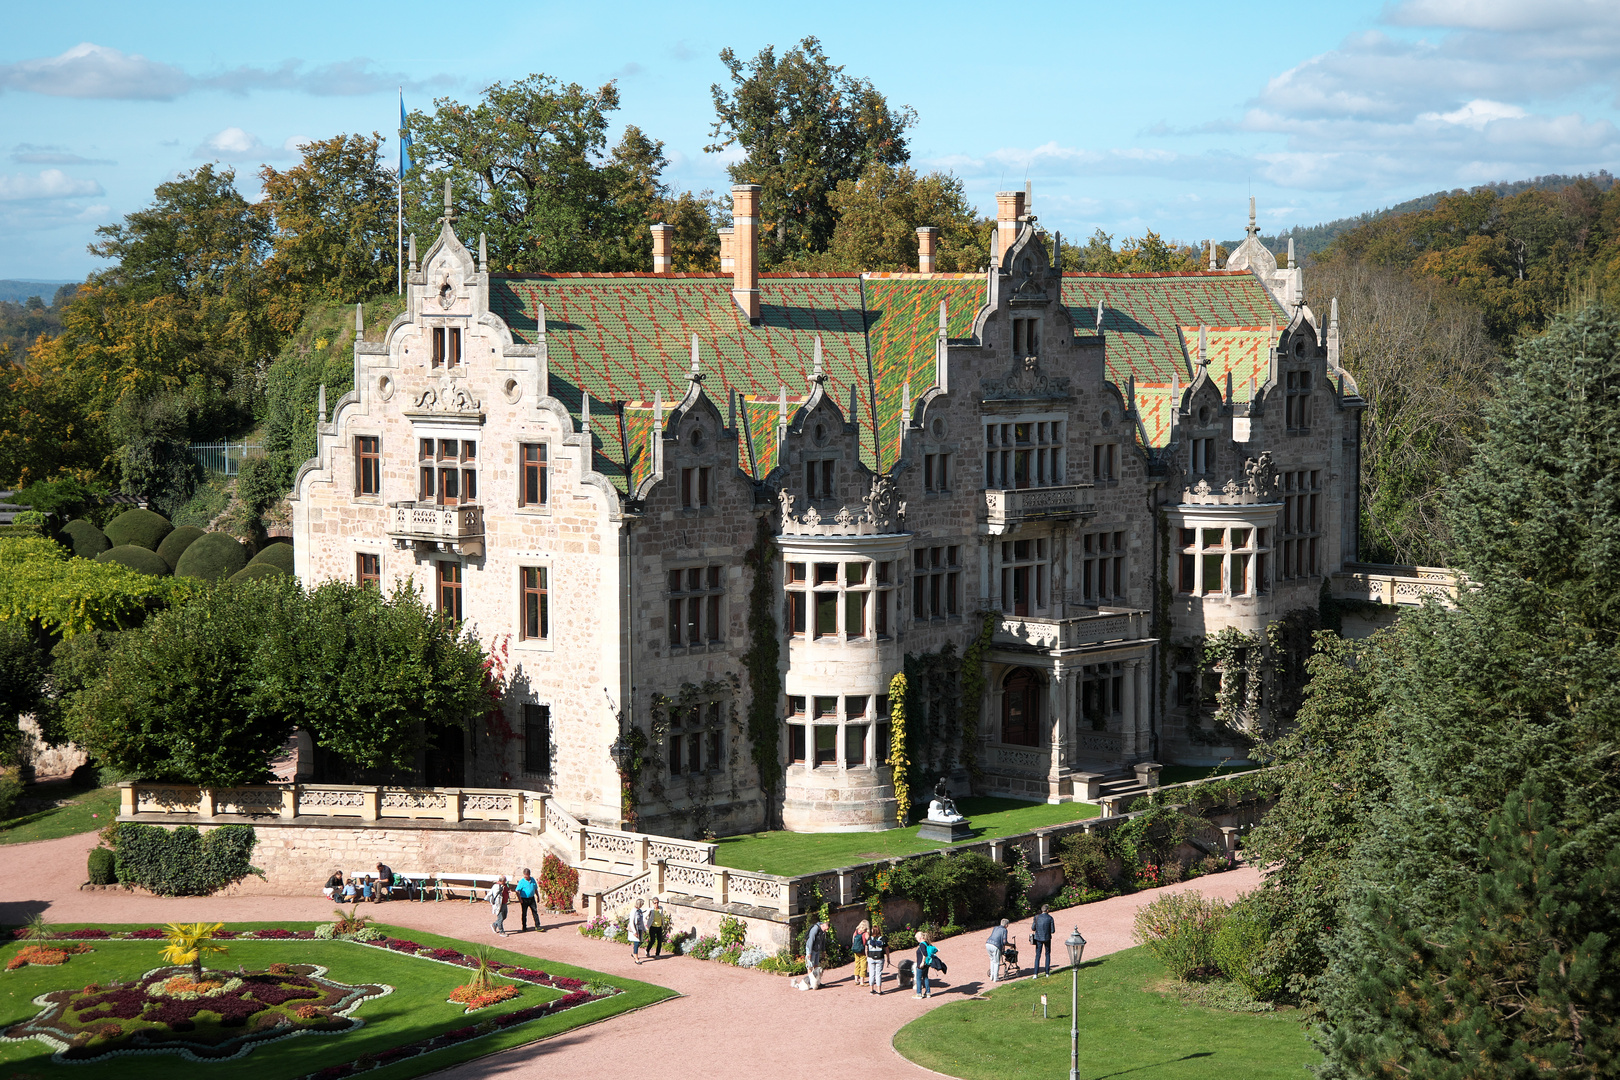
x=624, y=337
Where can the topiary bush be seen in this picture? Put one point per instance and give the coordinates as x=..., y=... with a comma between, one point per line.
x=137, y=558
x=278, y=554
x=257, y=570
x=103, y=867
x=143, y=528
x=86, y=540
x=184, y=862
x=212, y=557
x=174, y=545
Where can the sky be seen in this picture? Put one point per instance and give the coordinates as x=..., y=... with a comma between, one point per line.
x=1124, y=117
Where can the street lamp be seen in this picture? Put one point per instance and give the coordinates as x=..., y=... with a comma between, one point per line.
x=1077, y=947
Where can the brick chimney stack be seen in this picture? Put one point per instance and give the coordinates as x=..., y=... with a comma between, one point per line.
x=745, y=249
x=663, y=248
x=1009, y=211
x=727, y=243
x=927, y=242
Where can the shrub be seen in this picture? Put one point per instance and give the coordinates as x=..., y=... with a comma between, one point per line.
x=783, y=963
x=86, y=540
x=212, y=557
x=11, y=789
x=1179, y=930
x=103, y=867
x=174, y=545
x=952, y=888
x=278, y=553
x=28, y=517
x=254, y=570
x=704, y=948
x=559, y=884
x=1239, y=951
x=136, y=558
x=184, y=862
x=142, y=528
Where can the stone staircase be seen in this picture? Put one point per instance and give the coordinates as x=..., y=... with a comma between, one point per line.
x=1115, y=790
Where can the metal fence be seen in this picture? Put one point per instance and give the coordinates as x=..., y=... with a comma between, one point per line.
x=224, y=458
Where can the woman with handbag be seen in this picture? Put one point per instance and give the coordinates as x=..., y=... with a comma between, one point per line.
x=927, y=957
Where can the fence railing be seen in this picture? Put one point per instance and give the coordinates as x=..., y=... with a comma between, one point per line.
x=225, y=457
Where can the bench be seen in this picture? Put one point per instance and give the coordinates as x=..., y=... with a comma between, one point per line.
x=420, y=886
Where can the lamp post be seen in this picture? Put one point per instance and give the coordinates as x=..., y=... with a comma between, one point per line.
x=1077, y=947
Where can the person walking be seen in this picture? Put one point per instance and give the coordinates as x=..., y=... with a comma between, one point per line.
x=657, y=926
x=636, y=930
x=527, y=890
x=927, y=957
x=857, y=946
x=498, y=895
x=996, y=945
x=1040, y=932
x=877, y=951
x=815, y=955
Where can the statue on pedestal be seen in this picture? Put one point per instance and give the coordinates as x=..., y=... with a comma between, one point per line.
x=942, y=809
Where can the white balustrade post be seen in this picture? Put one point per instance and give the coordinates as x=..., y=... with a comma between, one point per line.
x=371, y=804
x=658, y=877
x=289, y=801
x=722, y=887
x=127, y=800
x=641, y=854
x=540, y=811
x=452, y=804
x=205, y=802
x=583, y=830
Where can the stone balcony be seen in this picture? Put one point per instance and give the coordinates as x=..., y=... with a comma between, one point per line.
x=1012, y=506
x=1394, y=585
x=1049, y=633
x=458, y=529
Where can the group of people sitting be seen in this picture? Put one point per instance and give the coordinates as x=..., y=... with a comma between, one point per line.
x=364, y=887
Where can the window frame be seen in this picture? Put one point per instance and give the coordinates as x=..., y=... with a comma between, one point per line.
x=538, y=469
x=542, y=710
x=367, y=466
x=541, y=592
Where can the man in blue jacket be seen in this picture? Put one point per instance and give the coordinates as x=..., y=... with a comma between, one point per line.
x=1040, y=932
x=527, y=888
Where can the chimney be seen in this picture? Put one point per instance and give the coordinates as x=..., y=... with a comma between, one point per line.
x=663, y=248
x=727, y=243
x=745, y=249
x=1009, y=209
x=927, y=241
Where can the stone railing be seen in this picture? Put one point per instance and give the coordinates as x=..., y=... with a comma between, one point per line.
x=583, y=846
x=1013, y=505
x=718, y=885
x=1048, y=632
x=451, y=528
x=1106, y=745
x=1395, y=585
x=1034, y=760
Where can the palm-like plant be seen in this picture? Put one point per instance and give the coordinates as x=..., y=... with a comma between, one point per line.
x=351, y=921
x=189, y=941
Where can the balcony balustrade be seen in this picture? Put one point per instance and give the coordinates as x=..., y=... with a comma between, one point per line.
x=1052, y=634
x=459, y=529
x=1013, y=506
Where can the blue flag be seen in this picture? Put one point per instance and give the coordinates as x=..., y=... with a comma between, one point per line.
x=404, y=138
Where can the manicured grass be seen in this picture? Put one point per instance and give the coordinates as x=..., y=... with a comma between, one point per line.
x=1181, y=774
x=789, y=853
x=416, y=1009
x=1126, y=1029
x=62, y=821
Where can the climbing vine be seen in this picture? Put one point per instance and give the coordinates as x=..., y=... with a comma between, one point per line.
x=662, y=711
x=898, y=754
x=1240, y=661
x=763, y=660
x=973, y=684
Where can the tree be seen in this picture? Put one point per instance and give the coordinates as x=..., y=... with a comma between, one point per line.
x=333, y=221
x=22, y=681
x=527, y=166
x=1519, y=983
x=878, y=216
x=372, y=677
x=804, y=127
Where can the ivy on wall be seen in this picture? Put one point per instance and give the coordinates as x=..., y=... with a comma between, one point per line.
x=763, y=660
x=1261, y=677
x=899, y=758
x=973, y=685
x=662, y=710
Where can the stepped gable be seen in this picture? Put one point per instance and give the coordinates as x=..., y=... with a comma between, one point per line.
x=624, y=337
x=902, y=313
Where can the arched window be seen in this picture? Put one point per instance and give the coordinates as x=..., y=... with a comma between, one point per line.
x=1021, y=709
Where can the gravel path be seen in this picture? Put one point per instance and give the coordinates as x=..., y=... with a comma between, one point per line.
x=727, y=1023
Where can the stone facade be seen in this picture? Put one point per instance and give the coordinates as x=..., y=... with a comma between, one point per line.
x=579, y=468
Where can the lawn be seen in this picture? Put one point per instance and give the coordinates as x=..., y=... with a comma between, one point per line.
x=77, y=817
x=1126, y=1029
x=789, y=853
x=416, y=1009
x=1181, y=774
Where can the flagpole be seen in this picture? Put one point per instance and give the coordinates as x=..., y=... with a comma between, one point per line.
x=399, y=216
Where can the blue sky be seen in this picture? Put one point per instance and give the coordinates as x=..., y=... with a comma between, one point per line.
x=1122, y=116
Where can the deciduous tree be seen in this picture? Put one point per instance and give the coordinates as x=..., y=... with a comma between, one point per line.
x=332, y=220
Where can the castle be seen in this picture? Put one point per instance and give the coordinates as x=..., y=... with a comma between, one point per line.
x=1033, y=491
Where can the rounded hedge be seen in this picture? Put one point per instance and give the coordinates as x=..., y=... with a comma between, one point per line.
x=143, y=528
x=175, y=544
x=278, y=555
x=136, y=558
x=87, y=540
x=258, y=570
x=213, y=556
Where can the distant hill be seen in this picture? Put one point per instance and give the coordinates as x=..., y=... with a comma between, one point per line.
x=1317, y=237
x=18, y=291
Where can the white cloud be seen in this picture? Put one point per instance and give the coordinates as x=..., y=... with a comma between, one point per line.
x=1476, y=114
x=95, y=71
x=29, y=154
x=46, y=185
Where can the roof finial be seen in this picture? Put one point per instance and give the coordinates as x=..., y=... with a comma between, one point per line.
x=852, y=401
x=1175, y=393
x=905, y=403
x=1029, y=198
x=1254, y=230
x=658, y=408
x=449, y=215
x=1099, y=316
x=1333, y=314
x=1130, y=394
x=781, y=404
x=1229, y=386
x=413, y=253
x=1212, y=254
x=697, y=370
x=731, y=416
x=320, y=406
x=1203, y=345
x=360, y=317
x=817, y=374
x=1290, y=253
x=585, y=411
x=944, y=323
x=483, y=254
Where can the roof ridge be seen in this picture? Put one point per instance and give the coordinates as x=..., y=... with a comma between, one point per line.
x=1160, y=274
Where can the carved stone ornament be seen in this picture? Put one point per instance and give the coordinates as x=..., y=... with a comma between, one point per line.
x=449, y=396
x=1202, y=488
x=1230, y=490
x=785, y=498
x=880, y=501
x=844, y=518
x=447, y=294
x=1260, y=475
x=812, y=517
x=1026, y=380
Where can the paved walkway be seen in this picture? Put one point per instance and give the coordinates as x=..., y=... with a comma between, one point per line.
x=728, y=1023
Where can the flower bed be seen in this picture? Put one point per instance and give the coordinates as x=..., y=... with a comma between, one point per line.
x=39, y=956
x=480, y=997
x=167, y=1011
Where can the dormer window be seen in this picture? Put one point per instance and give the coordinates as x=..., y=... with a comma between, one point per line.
x=446, y=346
x=1026, y=337
x=820, y=478
x=1297, y=401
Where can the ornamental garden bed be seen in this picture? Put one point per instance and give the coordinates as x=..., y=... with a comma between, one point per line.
x=282, y=1004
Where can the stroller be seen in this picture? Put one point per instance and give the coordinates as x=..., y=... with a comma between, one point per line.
x=1009, y=960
